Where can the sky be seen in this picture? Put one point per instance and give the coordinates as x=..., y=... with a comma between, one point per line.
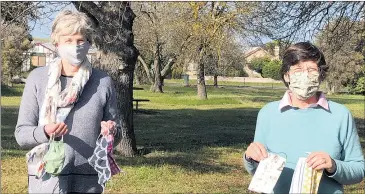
x=42, y=28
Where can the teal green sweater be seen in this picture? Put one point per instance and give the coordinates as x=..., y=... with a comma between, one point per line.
x=292, y=132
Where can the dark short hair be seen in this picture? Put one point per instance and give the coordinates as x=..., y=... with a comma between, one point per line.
x=303, y=51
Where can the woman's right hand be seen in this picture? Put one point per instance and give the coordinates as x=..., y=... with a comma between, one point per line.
x=256, y=151
x=58, y=129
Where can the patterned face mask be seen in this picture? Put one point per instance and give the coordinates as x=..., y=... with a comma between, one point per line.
x=305, y=180
x=304, y=85
x=103, y=161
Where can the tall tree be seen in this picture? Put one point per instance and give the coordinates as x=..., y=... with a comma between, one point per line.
x=294, y=21
x=114, y=37
x=15, y=37
x=230, y=62
x=211, y=22
x=346, y=62
x=161, y=37
x=15, y=46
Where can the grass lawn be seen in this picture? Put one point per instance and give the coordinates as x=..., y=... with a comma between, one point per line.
x=188, y=145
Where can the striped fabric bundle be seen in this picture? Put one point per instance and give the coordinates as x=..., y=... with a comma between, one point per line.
x=305, y=180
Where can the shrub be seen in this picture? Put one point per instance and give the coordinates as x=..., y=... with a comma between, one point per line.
x=177, y=72
x=258, y=63
x=358, y=87
x=272, y=70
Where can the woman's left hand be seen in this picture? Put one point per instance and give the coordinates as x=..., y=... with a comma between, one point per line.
x=321, y=160
x=108, y=127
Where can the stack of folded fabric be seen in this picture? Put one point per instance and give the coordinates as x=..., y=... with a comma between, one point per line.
x=305, y=180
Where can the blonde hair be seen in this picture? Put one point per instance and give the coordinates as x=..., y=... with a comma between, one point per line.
x=69, y=22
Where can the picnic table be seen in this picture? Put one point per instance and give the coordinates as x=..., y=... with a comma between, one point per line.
x=135, y=88
x=139, y=100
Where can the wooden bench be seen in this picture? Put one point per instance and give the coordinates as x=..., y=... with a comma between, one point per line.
x=135, y=88
x=139, y=100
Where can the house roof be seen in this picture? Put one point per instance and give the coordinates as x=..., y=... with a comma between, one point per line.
x=253, y=50
x=46, y=45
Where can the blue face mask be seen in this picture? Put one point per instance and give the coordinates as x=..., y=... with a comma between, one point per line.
x=74, y=54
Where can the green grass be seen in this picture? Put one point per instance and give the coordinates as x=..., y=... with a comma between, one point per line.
x=188, y=145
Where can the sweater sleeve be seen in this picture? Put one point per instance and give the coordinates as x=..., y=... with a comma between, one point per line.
x=111, y=111
x=261, y=125
x=27, y=132
x=351, y=167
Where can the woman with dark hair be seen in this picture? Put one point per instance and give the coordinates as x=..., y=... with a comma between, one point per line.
x=305, y=124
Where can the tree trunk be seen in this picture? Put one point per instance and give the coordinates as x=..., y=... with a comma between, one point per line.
x=136, y=77
x=331, y=88
x=10, y=83
x=127, y=146
x=202, y=92
x=114, y=36
x=147, y=70
x=166, y=70
x=328, y=88
x=216, y=81
x=157, y=85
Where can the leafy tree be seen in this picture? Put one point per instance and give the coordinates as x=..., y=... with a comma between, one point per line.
x=345, y=62
x=14, y=54
x=211, y=22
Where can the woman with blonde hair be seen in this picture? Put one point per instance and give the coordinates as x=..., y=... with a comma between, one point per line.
x=71, y=102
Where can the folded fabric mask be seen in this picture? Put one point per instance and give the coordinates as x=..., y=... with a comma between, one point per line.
x=267, y=174
x=55, y=157
x=305, y=180
x=35, y=160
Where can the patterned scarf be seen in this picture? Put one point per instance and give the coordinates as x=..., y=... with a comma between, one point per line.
x=57, y=104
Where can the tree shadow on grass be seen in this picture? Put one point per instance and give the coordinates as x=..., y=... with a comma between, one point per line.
x=196, y=160
x=17, y=90
x=347, y=101
x=360, y=124
x=192, y=139
x=189, y=132
x=13, y=153
x=192, y=129
x=9, y=116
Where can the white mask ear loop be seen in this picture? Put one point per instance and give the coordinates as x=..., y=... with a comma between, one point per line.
x=56, y=50
x=278, y=153
x=286, y=75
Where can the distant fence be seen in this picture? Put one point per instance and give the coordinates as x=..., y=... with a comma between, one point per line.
x=240, y=79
